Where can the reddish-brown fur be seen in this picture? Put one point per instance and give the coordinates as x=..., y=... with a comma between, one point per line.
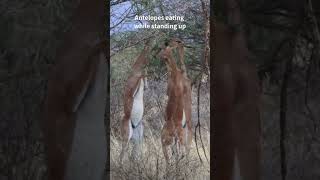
x=133, y=81
x=76, y=64
x=131, y=85
x=179, y=99
x=236, y=94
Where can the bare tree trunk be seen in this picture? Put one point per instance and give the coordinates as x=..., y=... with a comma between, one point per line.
x=283, y=116
x=205, y=8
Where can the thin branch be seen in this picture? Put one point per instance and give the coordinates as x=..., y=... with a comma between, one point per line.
x=306, y=101
x=133, y=44
x=23, y=73
x=200, y=134
x=124, y=18
x=315, y=23
x=113, y=3
x=206, y=36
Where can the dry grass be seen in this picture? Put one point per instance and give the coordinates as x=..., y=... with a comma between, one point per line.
x=152, y=164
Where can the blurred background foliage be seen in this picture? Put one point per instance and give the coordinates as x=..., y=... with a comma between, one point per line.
x=30, y=34
x=283, y=38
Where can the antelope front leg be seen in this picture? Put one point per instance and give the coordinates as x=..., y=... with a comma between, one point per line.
x=126, y=135
x=124, y=148
x=187, y=142
x=166, y=140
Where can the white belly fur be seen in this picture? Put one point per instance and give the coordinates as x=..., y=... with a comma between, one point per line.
x=88, y=154
x=137, y=106
x=183, y=123
x=183, y=118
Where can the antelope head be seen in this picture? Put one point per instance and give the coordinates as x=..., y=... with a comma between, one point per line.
x=166, y=54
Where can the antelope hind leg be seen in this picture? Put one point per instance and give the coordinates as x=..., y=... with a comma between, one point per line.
x=124, y=149
x=188, y=142
x=137, y=138
x=126, y=136
x=166, y=140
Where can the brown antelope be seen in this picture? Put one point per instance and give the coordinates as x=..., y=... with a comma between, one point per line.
x=177, y=128
x=236, y=92
x=73, y=126
x=132, y=126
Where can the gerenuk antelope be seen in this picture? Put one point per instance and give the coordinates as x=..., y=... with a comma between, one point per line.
x=177, y=130
x=73, y=123
x=132, y=126
x=236, y=94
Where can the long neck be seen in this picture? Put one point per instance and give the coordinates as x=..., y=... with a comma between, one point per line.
x=141, y=60
x=170, y=63
x=181, y=58
x=70, y=133
x=171, y=66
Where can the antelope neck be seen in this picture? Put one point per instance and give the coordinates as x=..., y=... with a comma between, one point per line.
x=141, y=60
x=171, y=65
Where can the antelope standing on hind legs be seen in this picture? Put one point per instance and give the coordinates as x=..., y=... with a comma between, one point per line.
x=176, y=131
x=73, y=125
x=132, y=126
x=236, y=92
